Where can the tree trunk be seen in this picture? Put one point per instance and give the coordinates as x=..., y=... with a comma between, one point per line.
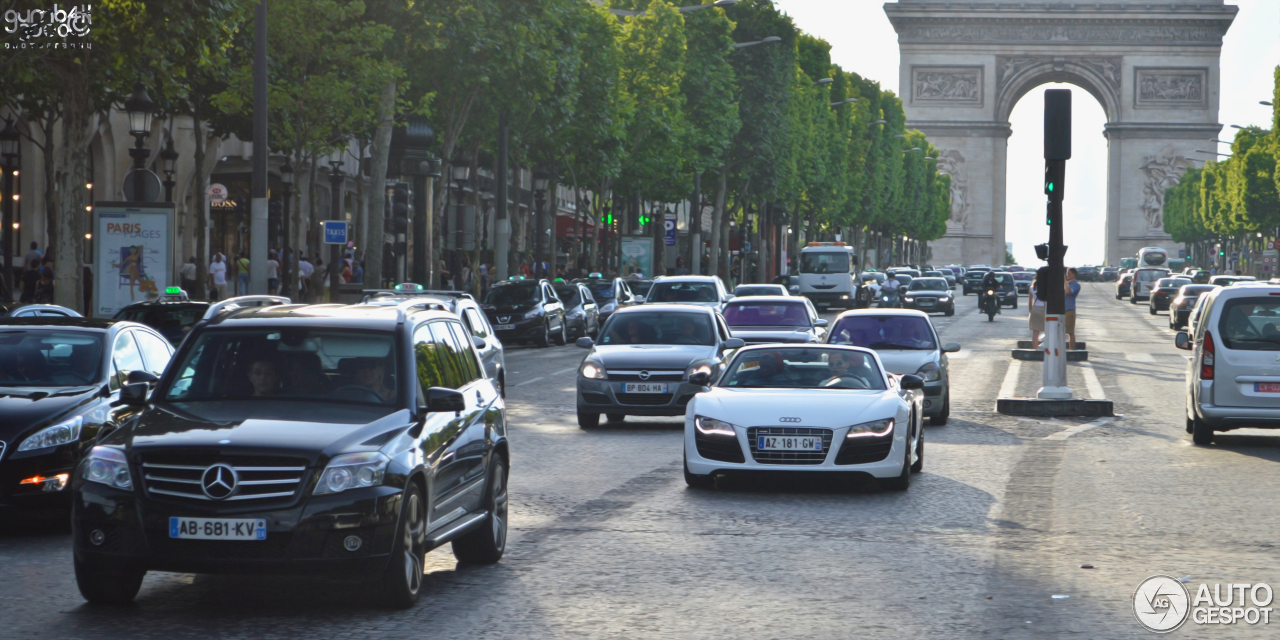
x=717, y=223
x=378, y=188
x=71, y=160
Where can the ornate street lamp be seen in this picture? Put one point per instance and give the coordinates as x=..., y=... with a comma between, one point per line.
x=168, y=160
x=336, y=178
x=11, y=149
x=140, y=109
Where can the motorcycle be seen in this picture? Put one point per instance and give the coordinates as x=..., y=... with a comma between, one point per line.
x=990, y=305
x=890, y=297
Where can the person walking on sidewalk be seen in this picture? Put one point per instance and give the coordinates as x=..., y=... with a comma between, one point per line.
x=1035, y=316
x=242, y=275
x=218, y=277
x=187, y=274
x=1071, y=288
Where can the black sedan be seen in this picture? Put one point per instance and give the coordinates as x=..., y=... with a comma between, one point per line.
x=930, y=295
x=1182, y=305
x=772, y=319
x=342, y=442
x=58, y=378
x=582, y=314
x=523, y=310
x=1164, y=292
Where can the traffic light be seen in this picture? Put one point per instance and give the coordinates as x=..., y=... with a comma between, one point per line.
x=644, y=219
x=607, y=218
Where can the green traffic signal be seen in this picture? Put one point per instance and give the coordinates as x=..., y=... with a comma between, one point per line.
x=1050, y=187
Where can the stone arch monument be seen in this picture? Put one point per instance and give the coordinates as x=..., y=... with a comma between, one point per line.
x=1153, y=66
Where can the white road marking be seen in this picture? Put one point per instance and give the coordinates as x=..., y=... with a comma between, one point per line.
x=1091, y=381
x=1010, y=385
x=529, y=381
x=1139, y=357
x=959, y=355
x=1080, y=428
x=556, y=373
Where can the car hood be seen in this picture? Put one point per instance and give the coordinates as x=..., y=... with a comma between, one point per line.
x=22, y=408
x=772, y=334
x=832, y=408
x=505, y=309
x=650, y=356
x=307, y=430
x=903, y=361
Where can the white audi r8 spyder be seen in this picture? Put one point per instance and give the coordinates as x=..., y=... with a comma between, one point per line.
x=805, y=408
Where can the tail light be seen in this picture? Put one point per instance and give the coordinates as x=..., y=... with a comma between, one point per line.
x=1206, y=357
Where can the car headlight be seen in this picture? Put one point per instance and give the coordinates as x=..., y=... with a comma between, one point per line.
x=106, y=465
x=532, y=314
x=930, y=372
x=871, y=429
x=713, y=427
x=594, y=371
x=911, y=299
x=64, y=432
x=353, y=471
x=699, y=367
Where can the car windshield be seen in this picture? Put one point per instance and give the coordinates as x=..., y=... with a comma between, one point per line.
x=641, y=287
x=885, y=332
x=49, y=358
x=568, y=295
x=903, y=279
x=1173, y=283
x=291, y=363
x=601, y=290
x=824, y=262
x=1024, y=276
x=683, y=292
x=766, y=314
x=876, y=277
x=803, y=368
x=760, y=290
x=930, y=284
x=659, y=327
x=172, y=321
x=511, y=294
x=974, y=275
x=1251, y=324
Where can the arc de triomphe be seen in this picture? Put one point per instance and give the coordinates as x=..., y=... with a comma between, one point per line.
x=1153, y=66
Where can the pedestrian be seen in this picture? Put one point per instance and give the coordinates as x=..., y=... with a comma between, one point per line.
x=30, y=276
x=44, y=286
x=188, y=277
x=34, y=257
x=217, y=277
x=1071, y=288
x=319, y=280
x=357, y=272
x=305, y=269
x=273, y=272
x=1035, y=318
x=679, y=265
x=242, y=277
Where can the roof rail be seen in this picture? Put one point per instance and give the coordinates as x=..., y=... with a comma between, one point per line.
x=408, y=306
x=243, y=302
x=369, y=294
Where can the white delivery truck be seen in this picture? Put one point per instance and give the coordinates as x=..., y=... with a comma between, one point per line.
x=829, y=274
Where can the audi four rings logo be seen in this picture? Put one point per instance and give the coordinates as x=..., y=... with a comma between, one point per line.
x=788, y=419
x=504, y=319
x=644, y=375
x=218, y=481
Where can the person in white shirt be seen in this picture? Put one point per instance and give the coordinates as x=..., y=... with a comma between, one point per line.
x=187, y=274
x=218, y=277
x=305, y=269
x=273, y=273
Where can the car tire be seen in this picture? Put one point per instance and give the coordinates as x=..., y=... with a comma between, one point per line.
x=950, y=312
x=696, y=481
x=401, y=582
x=1133, y=300
x=588, y=420
x=941, y=419
x=903, y=481
x=918, y=465
x=1201, y=432
x=486, y=544
x=616, y=417
x=1015, y=303
x=107, y=587
x=1151, y=309
x=544, y=338
x=502, y=386
x=563, y=337
x=1191, y=425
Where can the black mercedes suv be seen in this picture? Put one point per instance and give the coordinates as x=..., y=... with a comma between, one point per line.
x=344, y=441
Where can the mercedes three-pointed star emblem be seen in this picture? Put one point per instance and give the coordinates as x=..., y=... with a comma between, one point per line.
x=219, y=481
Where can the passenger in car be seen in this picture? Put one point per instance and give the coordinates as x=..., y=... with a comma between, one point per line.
x=263, y=378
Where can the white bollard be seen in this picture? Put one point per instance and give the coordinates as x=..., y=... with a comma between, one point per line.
x=1054, y=378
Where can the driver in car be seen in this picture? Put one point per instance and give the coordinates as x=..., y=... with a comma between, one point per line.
x=29, y=366
x=372, y=373
x=689, y=333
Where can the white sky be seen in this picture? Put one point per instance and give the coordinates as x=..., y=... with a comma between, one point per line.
x=863, y=41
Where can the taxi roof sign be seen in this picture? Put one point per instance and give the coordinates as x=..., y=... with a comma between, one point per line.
x=173, y=291
x=516, y=278
x=408, y=286
x=595, y=274
x=558, y=280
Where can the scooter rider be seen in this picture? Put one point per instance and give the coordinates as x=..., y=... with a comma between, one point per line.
x=990, y=282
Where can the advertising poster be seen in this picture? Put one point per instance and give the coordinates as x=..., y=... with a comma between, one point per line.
x=132, y=254
x=637, y=255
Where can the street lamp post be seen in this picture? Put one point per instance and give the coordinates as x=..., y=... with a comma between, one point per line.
x=140, y=109
x=336, y=178
x=168, y=160
x=286, y=179
x=461, y=173
x=541, y=179
x=11, y=149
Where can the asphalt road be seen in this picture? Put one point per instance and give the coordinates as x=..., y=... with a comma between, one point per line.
x=608, y=542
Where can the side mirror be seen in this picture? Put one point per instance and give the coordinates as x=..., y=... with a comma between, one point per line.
x=441, y=400
x=733, y=343
x=585, y=343
x=1183, y=341
x=700, y=378
x=134, y=394
x=821, y=323
x=951, y=347
x=911, y=381
x=139, y=375
x=480, y=343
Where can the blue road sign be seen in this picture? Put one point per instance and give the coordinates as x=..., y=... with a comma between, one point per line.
x=335, y=232
x=670, y=239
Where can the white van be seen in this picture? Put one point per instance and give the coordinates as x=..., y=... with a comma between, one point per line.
x=828, y=274
x=1232, y=377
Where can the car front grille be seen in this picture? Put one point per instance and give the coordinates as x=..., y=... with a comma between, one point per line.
x=864, y=450
x=653, y=376
x=643, y=398
x=265, y=478
x=788, y=457
x=926, y=301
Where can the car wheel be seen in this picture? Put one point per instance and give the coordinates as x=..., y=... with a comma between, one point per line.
x=1191, y=425
x=563, y=337
x=696, y=481
x=502, y=387
x=951, y=312
x=1117, y=296
x=1201, y=432
x=402, y=580
x=941, y=419
x=616, y=417
x=1151, y=309
x=588, y=420
x=903, y=481
x=544, y=337
x=485, y=544
x=107, y=587
x=1133, y=299
x=918, y=465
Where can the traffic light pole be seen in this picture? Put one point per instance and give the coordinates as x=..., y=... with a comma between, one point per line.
x=1057, y=150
